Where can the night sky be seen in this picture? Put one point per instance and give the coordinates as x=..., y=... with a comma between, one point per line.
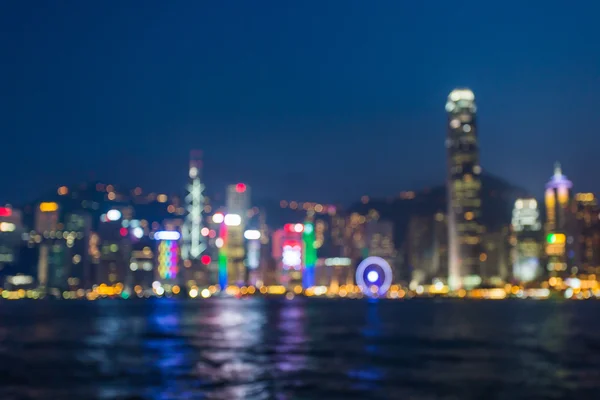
x=305, y=100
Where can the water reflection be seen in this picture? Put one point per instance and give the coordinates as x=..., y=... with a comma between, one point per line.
x=303, y=348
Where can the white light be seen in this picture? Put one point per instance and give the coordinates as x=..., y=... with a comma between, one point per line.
x=477, y=170
x=462, y=94
x=167, y=235
x=160, y=291
x=519, y=204
x=372, y=276
x=193, y=293
x=252, y=234
x=219, y=243
x=113, y=215
x=205, y=293
x=133, y=266
x=450, y=106
x=193, y=172
x=298, y=228
x=439, y=285
x=138, y=232
x=292, y=256
x=156, y=285
x=218, y=218
x=454, y=124
x=204, y=231
x=7, y=227
x=233, y=220
x=467, y=128
x=338, y=261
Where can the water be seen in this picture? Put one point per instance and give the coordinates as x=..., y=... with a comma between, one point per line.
x=301, y=349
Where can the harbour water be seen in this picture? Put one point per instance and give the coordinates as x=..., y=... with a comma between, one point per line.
x=273, y=348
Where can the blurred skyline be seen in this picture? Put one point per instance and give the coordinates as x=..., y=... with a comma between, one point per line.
x=310, y=101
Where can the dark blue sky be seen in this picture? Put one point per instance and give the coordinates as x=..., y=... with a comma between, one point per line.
x=307, y=100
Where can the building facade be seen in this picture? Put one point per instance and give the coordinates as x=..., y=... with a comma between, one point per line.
x=464, y=190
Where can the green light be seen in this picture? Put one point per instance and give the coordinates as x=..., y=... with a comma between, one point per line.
x=551, y=238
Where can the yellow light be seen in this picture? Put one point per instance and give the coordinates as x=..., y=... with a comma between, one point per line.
x=298, y=289
x=194, y=292
x=48, y=206
x=552, y=281
x=63, y=190
x=482, y=257
x=111, y=196
x=469, y=215
x=138, y=289
x=244, y=290
x=263, y=290
x=212, y=289
x=7, y=227
x=162, y=198
x=205, y=293
x=176, y=289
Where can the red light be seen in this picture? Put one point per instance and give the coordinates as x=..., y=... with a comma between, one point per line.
x=123, y=232
x=205, y=259
x=240, y=188
x=289, y=228
x=5, y=212
x=212, y=234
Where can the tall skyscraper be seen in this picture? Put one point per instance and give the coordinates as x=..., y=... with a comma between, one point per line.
x=238, y=205
x=193, y=241
x=559, y=222
x=464, y=187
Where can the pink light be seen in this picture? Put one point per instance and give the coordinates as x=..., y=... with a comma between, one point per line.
x=205, y=259
x=212, y=234
x=205, y=231
x=123, y=232
x=5, y=212
x=240, y=188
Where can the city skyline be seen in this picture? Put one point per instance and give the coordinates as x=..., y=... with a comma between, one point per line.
x=125, y=109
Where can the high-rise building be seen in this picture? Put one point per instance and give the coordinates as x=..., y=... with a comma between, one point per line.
x=526, y=228
x=194, y=243
x=11, y=229
x=587, y=251
x=464, y=190
x=559, y=222
x=238, y=205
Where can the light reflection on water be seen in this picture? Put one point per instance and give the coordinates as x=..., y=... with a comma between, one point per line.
x=300, y=349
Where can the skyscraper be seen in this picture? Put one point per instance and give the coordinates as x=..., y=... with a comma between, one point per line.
x=464, y=186
x=193, y=241
x=559, y=222
x=238, y=205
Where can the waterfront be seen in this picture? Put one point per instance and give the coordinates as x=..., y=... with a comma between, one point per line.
x=305, y=348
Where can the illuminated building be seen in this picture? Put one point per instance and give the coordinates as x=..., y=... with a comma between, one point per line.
x=11, y=229
x=379, y=239
x=559, y=221
x=309, y=255
x=464, y=190
x=114, y=248
x=426, y=249
x=77, y=233
x=525, y=242
x=167, y=256
x=587, y=250
x=253, y=255
x=193, y=242
x=287, y=250
x=238, y=205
